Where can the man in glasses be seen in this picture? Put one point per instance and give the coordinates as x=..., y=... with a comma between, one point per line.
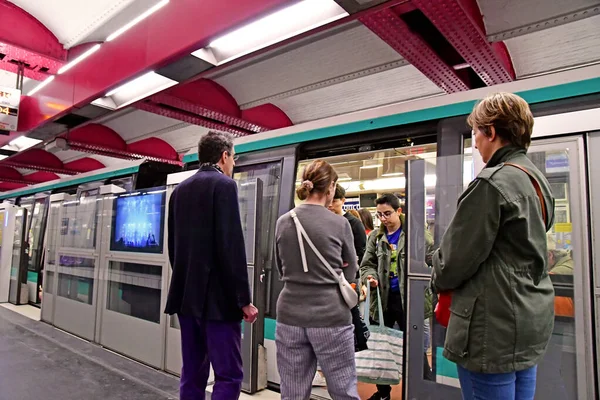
x=209, y=289
x=383, y=267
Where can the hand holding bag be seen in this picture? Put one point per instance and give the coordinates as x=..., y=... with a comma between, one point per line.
x=348, y=293
x=442, y=308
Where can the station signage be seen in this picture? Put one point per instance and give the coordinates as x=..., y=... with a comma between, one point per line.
x=10, y=99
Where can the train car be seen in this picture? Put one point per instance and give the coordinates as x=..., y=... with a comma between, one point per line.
x=421, y=147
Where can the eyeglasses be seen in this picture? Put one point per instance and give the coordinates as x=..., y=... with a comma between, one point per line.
x=382, y=215
x=235, y=156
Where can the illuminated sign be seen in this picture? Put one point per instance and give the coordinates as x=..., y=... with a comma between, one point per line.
x=9, y=108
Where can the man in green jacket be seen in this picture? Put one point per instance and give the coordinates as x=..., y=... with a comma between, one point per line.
x=383, y=266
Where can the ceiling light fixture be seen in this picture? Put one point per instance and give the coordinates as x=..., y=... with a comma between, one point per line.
x=41, y=85
x=281, y=25
x=393, y=174
x=79, y=59
x=137, y=20
x=371, y=166
x=131, y=83
x=134, y=90
x=21, y=143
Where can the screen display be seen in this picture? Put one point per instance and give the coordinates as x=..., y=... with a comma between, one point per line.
x=138, y=223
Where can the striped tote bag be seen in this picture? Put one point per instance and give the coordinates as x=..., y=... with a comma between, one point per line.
x=381, y=363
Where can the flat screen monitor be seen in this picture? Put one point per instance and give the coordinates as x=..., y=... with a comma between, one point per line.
x=138, y=222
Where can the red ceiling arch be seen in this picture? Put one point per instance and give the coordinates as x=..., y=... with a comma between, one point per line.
x=41, y=176
x=154, y=148
x=85, y=164
x=96, y=135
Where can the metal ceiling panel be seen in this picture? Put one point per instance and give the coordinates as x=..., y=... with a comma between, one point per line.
x=72, y=21
x=510, y=15
x=556, y=48
x=9, y=79
x=138, y=124
x=388, y=87
x=69, y=155
x=185, y=138
x=349, y=49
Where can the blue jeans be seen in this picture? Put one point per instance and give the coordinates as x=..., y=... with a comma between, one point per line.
x=510, y=386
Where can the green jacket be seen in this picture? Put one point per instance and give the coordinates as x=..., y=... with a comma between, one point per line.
x=493, y=257
x=564, y=263
x=377, y=261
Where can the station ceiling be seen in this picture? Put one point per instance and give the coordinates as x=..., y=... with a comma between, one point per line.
x=110, y=80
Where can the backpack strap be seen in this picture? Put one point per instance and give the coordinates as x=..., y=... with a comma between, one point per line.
x=538, y=190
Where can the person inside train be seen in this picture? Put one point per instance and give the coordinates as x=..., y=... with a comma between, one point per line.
x=209, y=290
x=358, y=230
x=560, y=262
x=367, y=219
x=493, y=259
x=314, y=323
x=383, y=267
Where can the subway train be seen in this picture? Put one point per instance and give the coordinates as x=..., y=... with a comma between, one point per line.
x=104, y=271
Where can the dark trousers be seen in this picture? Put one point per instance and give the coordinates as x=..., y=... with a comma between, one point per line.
x=394, y=314
x=210, y=342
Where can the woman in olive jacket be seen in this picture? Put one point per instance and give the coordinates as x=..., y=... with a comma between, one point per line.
x=493, y=259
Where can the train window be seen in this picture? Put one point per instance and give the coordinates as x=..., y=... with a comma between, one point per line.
x=366, y=175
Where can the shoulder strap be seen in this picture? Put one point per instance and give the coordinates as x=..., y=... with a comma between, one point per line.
x=302, y=233
x=538, y=190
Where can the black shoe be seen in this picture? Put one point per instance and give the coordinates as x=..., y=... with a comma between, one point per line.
x=378, y=396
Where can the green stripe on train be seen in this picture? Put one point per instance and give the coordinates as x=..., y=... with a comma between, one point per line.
x=533, y=96
x=60, y=184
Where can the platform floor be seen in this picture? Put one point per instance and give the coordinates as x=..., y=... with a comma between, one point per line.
x=40, y=362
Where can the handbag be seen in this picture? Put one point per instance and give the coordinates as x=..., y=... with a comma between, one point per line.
x=348, y=293
x=442, y=308
x=361, y=330
x=381, y=364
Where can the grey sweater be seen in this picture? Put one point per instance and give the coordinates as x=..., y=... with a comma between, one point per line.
x=312, y=299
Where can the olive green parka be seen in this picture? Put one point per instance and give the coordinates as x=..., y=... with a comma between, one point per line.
x=493, y=257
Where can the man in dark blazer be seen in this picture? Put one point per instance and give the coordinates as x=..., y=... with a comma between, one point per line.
x=209, y=289
x=358, y=229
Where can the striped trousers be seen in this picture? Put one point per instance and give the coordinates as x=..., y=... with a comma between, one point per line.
x=299, y=349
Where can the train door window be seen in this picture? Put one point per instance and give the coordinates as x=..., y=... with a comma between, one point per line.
x=270, y=175
x=566, y=365
x=366, y=176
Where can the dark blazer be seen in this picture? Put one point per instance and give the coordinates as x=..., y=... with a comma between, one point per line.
x=206, y=249
x=360, y=237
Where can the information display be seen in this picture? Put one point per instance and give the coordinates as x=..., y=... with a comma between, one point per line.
x=138, y=222
x=9, y=108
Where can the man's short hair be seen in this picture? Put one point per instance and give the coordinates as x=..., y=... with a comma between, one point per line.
x=340, y=192
x=212, y=145
x=390, y=200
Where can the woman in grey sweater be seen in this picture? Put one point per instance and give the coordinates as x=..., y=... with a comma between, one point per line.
x=313, y=321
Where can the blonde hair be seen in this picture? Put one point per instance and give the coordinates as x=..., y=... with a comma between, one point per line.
x=510, y=116
x=316, y=178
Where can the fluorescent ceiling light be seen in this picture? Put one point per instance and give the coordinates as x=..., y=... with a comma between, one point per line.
x=21, y=143
x=41, y=85
x=393, y=174
x=137, y=20
x=132, y=84
x=79, y=59
x=281, y=25
x=137, y=89
x=371, y=166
